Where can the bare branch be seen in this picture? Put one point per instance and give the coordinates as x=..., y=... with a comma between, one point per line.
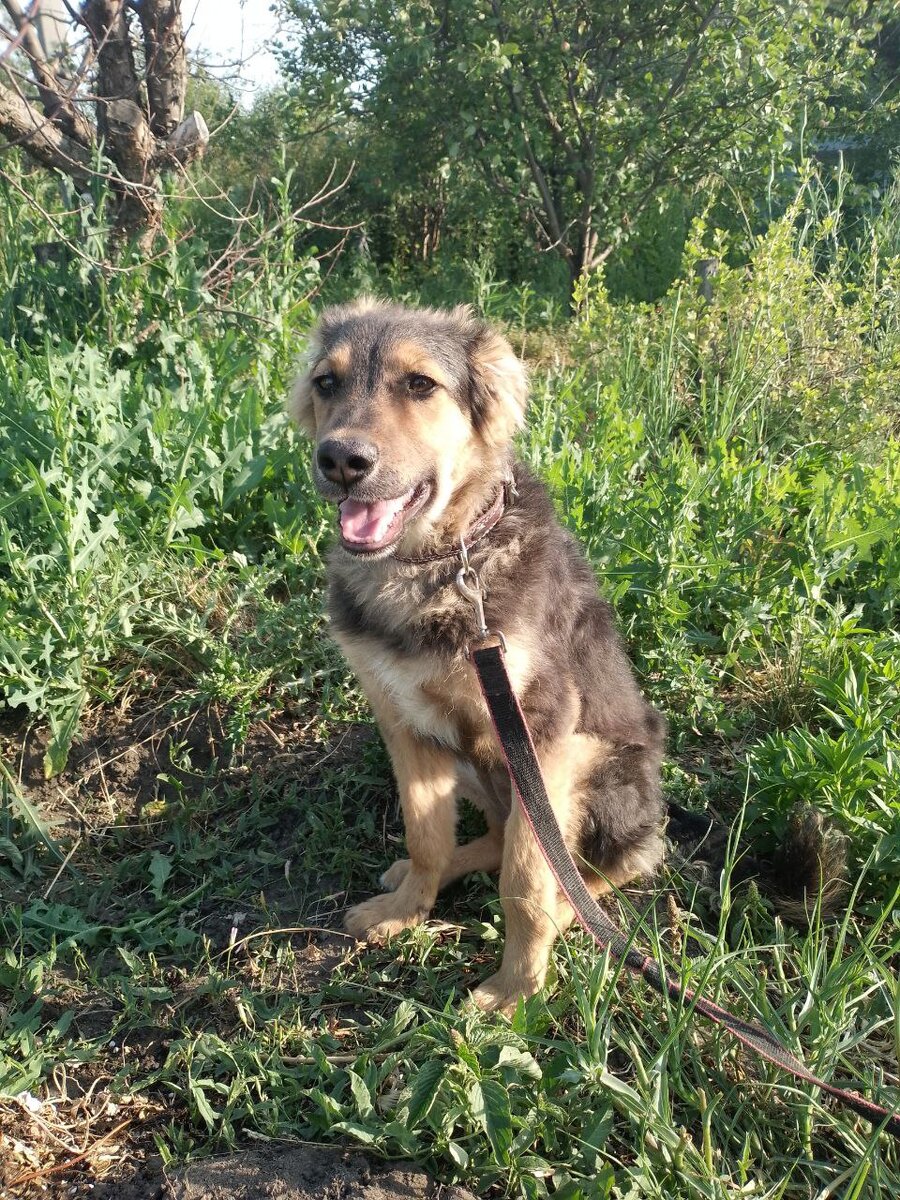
x=326, y=192
x=55, y=99
x=24, y=126
x=14, y=44
x=219, y=273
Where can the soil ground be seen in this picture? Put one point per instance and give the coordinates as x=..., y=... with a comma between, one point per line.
x=305, y=1173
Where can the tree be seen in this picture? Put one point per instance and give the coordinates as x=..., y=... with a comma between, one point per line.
x=133, y=74
x=581, y=115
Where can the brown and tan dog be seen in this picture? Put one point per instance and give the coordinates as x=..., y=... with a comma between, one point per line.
x=413, y=412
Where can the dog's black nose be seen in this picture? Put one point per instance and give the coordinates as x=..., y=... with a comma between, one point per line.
x=346, y=462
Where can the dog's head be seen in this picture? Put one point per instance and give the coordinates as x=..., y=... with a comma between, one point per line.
x=412, y=412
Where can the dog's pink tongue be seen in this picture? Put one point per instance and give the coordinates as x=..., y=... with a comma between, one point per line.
x=369, y=522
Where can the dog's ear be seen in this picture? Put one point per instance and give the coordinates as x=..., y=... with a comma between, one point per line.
x=300, y=404
x=498, y=387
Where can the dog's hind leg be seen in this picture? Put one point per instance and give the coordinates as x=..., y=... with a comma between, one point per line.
x=481, y=854
x=536, y=912
x=426, y=778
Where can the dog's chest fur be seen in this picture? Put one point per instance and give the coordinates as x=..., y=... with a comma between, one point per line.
x=404, y=631
x=434, y=695
x=424, y=690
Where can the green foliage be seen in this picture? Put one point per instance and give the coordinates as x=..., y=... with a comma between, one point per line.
x=844, y=760
x=163, y=419
x=731, y=467
x=599, y=1089
x=578, y=119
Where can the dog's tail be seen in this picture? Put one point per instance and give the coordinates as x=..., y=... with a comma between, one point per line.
x=806, y=872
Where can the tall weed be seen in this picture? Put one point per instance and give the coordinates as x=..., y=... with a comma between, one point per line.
x=147, y=444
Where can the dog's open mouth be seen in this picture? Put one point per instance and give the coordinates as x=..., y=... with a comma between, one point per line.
x=375, y=525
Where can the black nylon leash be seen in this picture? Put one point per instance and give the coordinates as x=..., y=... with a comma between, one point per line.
x=525, y=773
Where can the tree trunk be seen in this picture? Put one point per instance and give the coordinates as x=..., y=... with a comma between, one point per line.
x=139, y=131
x=166, y=62
x=123, y=125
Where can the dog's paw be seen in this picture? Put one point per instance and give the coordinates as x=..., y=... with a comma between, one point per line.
x=380, y=919
x=502, y=993
x=394, y=875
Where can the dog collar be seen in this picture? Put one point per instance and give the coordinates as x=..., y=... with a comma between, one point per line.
x=481, y=526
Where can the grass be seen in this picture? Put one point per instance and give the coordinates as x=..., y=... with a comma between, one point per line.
x=197, y=792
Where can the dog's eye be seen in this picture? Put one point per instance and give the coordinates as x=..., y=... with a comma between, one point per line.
x=420, y=385
x=325, y=384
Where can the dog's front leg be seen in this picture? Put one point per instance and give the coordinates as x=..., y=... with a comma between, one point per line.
x=427, y=780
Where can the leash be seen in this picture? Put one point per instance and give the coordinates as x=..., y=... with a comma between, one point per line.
x=525, y=772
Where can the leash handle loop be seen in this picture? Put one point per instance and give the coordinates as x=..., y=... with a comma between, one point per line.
x=525, y=772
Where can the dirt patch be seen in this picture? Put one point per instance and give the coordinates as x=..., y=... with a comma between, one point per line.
x=306, y=1173
x=127, y=758
x=74, y=1141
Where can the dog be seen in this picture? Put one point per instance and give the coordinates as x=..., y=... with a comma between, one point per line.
x=412, y=412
